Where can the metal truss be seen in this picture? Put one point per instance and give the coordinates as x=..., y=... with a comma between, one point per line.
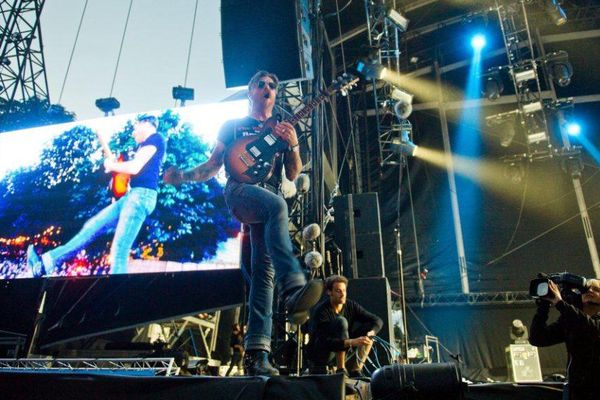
x=206, y=328
x=22, y=68
x=159, y=366
x=459, y=299
x=524, y=71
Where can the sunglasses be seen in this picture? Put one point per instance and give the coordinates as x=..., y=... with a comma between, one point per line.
x=261, y=85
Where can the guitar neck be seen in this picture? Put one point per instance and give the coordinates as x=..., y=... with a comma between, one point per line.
x=308, y=108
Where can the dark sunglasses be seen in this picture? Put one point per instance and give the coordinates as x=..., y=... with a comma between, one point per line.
x=261, y=85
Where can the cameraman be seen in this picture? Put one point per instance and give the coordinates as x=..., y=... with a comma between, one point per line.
x=579, y=329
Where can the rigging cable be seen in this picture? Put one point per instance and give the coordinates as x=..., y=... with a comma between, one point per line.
x=112, y=86
x=62, y=88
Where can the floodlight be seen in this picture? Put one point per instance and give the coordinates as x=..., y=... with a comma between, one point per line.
x=403, y=145
x=493, y=85
x=573, y=128
x=370, y=70
x=182, y=94
x=559, y=67
x=108, y=105
x=555, y=11
x=478, y=41
x=399, y=20
x=403, y=105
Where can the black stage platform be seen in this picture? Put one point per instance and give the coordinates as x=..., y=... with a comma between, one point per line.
x=66, y=386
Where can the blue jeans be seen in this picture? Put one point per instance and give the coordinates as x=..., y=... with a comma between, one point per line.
x=272, y=255
x=125, y=216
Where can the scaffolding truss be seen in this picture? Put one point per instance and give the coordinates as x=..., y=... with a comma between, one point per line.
x=22, y=68
x=155, y=366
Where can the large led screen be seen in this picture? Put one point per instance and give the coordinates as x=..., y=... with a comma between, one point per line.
x=52, y=181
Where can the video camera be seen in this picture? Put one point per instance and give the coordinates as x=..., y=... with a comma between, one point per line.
x=571, y=286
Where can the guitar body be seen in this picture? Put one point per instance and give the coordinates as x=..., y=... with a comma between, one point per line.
x=119, y=184
x=251, y=159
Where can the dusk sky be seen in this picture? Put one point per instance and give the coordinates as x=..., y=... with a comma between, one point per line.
x=153, y=59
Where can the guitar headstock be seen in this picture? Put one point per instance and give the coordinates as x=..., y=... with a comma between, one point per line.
x=344, y=83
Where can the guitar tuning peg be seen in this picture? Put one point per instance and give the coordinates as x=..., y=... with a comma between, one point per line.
x=344, y=92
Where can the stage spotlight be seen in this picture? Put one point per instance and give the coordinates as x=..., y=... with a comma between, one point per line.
x=518, y=332
x=571, y=161
x=493, y=86
x=559, y=67
x=403, y=145
x=573, y=129
x=555, y=11
x=478, y=42
x=417, y=381
x=108, y=105
x=514, y=168
x=182, y=94
x=399, y=20
x=403, y=105
x=370, y=70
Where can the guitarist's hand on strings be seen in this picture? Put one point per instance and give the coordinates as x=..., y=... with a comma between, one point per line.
x=286, y=132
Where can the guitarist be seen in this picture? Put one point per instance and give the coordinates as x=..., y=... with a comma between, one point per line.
x=264, y=210
x=126, y=215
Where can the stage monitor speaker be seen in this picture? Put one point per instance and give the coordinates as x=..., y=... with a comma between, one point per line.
x=375, y=296
x=269, y=35
x=358, y=234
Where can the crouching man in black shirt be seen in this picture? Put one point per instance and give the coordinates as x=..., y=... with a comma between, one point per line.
x=338, y=324
x=579, y=329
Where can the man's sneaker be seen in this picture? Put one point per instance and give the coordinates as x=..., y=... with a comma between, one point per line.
x=300, y=301
x=34, y=263
x=257, y=363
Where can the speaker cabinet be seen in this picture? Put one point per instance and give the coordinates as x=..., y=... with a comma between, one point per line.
x=271, y=35
x=358, y=234
x=375, y=296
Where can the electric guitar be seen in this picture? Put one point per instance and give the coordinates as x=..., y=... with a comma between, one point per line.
x=119, y=183
x=251, y=159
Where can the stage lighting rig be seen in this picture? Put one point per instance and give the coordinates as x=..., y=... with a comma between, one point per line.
x=518, y=332
x=514, y=167
x=555, y=11
x=571, y=161
x=108, y=105
x=506, y=124
x=524, y=75
x=403, y=144
x=182, y=94
x=559, y=67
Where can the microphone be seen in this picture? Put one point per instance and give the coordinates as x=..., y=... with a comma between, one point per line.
x=313, y=259
x=303, y=183
x=311, y=232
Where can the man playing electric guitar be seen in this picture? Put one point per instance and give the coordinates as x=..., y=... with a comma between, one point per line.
x=259, y=205
x=126, y=215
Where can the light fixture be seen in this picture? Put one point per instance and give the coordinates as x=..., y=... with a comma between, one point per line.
x=573, y=128
x=182, y=94
x=399, y=20
x=493, y=85
x=532, y=107
x=518, y=332
x=514, y=168
x=559, y=67
x=524, y=76
x=370, y=69
x=555, y=11
x=108, y=105
x=536, y=137
x=570, y=160
x=403, y=103
x=402, y=144
x=478, y=41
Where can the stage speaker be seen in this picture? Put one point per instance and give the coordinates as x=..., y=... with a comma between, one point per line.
x=417, y=381
x=358, y=234
x=375, y=296
x=271, y=35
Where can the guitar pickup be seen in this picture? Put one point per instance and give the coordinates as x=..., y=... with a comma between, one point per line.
x=270, y=140
x=255, y=151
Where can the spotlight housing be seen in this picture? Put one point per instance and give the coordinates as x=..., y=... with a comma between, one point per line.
x=493, y=86
x=524, y=75
x=182, y=94
x=559, y=67
x=370, y=70
x=399, y=20
x=403, y=105
x=555, y=11
x=403, y=145
x=108, y=105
